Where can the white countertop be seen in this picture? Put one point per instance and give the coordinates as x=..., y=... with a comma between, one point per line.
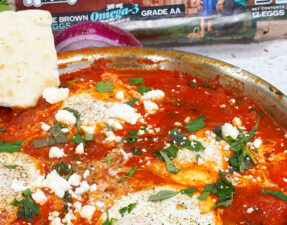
x=267, y=60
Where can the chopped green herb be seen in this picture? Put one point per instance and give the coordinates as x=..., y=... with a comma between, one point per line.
x=104, y=86
x=43, y=142
x=89, y=137
x=77, y=115
x=171, y=152
x=64, y=170
x=218, y=132
x=4, y=6
x=188, y=191
x=169, y=165
x=128, y=209
x=122, y=180
x=223, y=189
x=277, y=194
x=133, y=136
x=196, y=124
x=58, y=135
x=11, y=167
x=3, y=129
x=197, y=156
x=193, y=145
x=191, y=84
x=132, y=101
x=109, y=221
x=131, y=173
x=78, y=139
x=27, y=208
x=143, y=89
x=137, y=151
x=110, y=128
x=10, y=147
x=177, y=137
x=108, y=159
x=136, y=80
x=164, y=194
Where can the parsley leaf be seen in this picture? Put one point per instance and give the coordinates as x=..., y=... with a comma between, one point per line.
x=129, y=208
x=11, y=166
x=164, y=194
x=136, y=80
x=196, y=124
x=188, y=191
x=133, y=136
x=133, y=170
x=132, y=101
x=169, y=165
x=10, y=147
x=171, y=152
x=143, y=89
x=104, y=86
x=277, y=194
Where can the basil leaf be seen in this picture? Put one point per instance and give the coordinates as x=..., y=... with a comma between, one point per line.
x=64, y=170
x=177, y=137
x=171, y=152
x=123, y=210
x=77, y=115
x=188, y=191
x=104, y=86
x=78, y=139
x=193, y=145
x=197, y=156
x=277, y=194
x=10, y=147
x=25, y=213
x=129, y=208
x=30, y=205
x=109, y=221
x=143, y=89
x=196, y=124
x=131, y=173
x=136, y=80
x=251, y=133
x=132, y=101
x=203, y=195
x=133, y=136
x=218, y=132
x=11, y=166
x=164, y=194
x=169, y=165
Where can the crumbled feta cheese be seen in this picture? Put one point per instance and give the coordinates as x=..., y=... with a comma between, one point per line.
x=100, y=205
x=123, y=112
x=75, y=180
x=65, y=117
x=56, y=152
x=93, y=187
x=86, y=174
x=153, y=95
x=44, y=126
x=110, y=136
x=125, y=155
x=250, y=210
x=65, y=130
x=80, y=149
x=78, y=206
x=54, y=95
x=87, y=211
x=150, y=107
x=257, y=142
x=18, y=185
x=83, y=188
x=237, y=122
x=229, y=130
x=120, y=96
x=39, y=197
x=56, y=221
x=114, y=124
x=57, y=184
x=88, y=129
x=285, y=180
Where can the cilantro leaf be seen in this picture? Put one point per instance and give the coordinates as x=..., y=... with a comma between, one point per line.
x=132, y=101
x=143, y=89
x=133, y=136
x=129, y=208
x=104, y=86
x=169, y=165
x=277, y=194
x=136, y=80
x=164, y=194
x=10, y=147
x=133, y=170
x=196, y=124
x=188, y=191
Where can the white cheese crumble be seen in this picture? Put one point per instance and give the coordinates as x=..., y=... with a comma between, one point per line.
x=39, y=197
x=250, y=210
x=83, y=188
x=53, y=95
x=257, y=142
x=75, y=180
x=150, y=107
x=87, y=211
x=153, y=95
x=56, y=152
x=123, y=112
x=120, y=96
x=65, y=117
x=57, y=184
x=80, y=149
x=44, y=126
x=56, y=221
x=86, y=174
x=110, y=136
x=229, y=130
x=114, y=124
x=88, y=129
x=237, y=122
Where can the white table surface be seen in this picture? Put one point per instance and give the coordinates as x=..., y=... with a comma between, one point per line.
x=267, y=60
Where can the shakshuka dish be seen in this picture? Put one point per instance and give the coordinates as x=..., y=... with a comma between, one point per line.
x=127, y=147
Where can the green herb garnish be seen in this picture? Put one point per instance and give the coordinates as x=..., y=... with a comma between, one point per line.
x=133, y=170
x=277, y=194
x=89, y=137
x=196, y=124
x=133, y=136
x=11, y=167
x=169, y=165
x=77, y=115
x=136, y=80
x=128, y=209
x=64, y=170
x=78, y=139
x=108, y=159
x=10, y=147
x=164, y=194
x=188, y=191
x=104, y=86
x=109, y=221
x=143, y=89
x=132, y=101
